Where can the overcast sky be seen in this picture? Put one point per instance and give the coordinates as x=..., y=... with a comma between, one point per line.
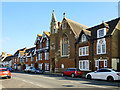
x=22, y=21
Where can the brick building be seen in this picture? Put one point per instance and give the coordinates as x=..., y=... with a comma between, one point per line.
x=62, y=43
x=17, y=59
x=42, y=51
x=104, y=47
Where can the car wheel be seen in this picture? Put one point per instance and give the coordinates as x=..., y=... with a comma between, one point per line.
x=89, y=77
x=9, y=77
x=110, y=79
x=72, y=75
x=62, y=74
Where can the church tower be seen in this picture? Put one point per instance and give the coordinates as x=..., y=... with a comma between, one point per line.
x=53, y=24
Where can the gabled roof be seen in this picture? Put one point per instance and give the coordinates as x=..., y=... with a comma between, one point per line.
x=39, y=36
x=111, y=25
x=8, y=58
x=76, y=27
x=47, y=33
x=30, y=50
x=17, y=52
x=87, y=34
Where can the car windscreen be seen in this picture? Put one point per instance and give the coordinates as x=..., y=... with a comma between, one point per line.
x=77, y=69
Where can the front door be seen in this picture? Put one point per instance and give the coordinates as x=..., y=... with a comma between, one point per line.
x=101, y=64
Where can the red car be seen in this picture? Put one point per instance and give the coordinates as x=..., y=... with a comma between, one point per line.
x=72, y=72
x=5, y=73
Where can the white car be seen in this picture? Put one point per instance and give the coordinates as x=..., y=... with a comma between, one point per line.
x=104, y=74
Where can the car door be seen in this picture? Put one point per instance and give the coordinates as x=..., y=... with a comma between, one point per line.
x=66, y=72
x=96, y=74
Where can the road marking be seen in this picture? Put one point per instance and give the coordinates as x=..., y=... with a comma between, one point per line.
x=26, y=81
x=46, y=77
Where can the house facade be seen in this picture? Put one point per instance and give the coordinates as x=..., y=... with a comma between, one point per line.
x=17, y=59
x=62, y=43
x=83, y=51
x=42, y=51
x=104, y=51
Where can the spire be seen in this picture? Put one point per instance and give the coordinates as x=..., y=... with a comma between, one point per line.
x=64, y=15
x=54, y=17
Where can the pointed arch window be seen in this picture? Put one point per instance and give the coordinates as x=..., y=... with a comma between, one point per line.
x=65, y=45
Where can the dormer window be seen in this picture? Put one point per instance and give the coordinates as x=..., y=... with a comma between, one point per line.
x=83, y=38
x=101, y=32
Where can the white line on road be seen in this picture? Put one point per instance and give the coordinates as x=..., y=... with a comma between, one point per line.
x=28, y=82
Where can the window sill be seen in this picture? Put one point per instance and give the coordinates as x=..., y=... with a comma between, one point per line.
x=83, y=55
x=65, y=56
x=85, y=70
x=100, y=53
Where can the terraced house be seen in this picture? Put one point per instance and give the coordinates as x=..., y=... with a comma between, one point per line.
x=42, y=51
x=30, y=57
x=62, y=43
x=17, y=59
x=99, y=47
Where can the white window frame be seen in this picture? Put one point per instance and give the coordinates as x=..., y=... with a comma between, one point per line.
x=40, y=66
x=46, y=55
x=47, y=66
x=97, y=63
x=86, y=66
x=98, y=36
x=101, y=46
x=83, y=38
x=81, y=49
x=40, y=56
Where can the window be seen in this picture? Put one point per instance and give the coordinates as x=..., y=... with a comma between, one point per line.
x=101, y=46
x=84, y=64
x=101, y=32
x=36, y=58
x=65, y=46
x=26, y=59
x=40, y=66
x=40, y=56
x=83, y=38
x=40, y=45
x=46, y=55
x=32, y=65
x=47, y=43
x=15, y=60
x=26, y=65
x=97, y=63
x=64, y=25
x=83, y=51
x=46, y=66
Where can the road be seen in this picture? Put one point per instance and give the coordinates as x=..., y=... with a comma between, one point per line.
x=24, y=80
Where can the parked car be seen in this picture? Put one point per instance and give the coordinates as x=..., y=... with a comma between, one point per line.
x=72, y=72
x=9, y=68
x=4, y=73
x=104, y=74
x=28, y=69
x=33, y=70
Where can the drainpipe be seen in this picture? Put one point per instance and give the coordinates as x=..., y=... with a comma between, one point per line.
x=92, y=59
x=75, y=56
